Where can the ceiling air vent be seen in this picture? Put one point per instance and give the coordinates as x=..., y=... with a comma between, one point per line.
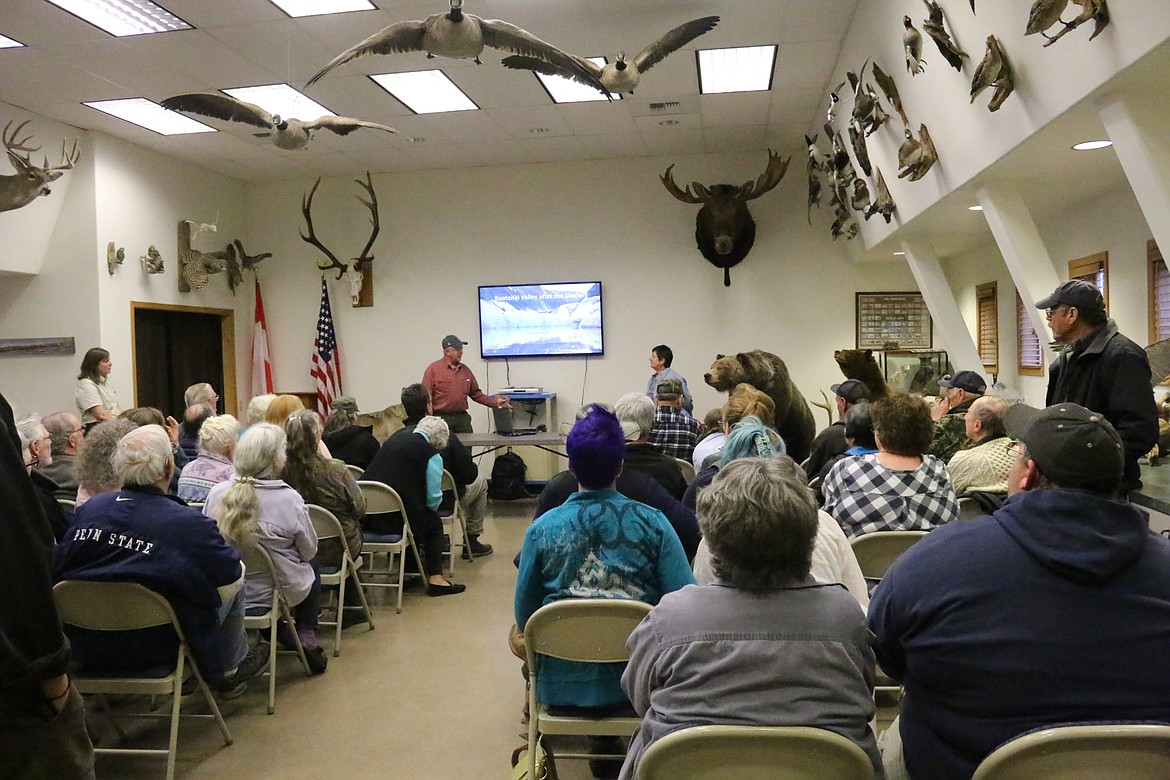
x=666, y=106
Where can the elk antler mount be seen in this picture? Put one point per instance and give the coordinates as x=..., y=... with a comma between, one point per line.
x=29, y=181
x=362, y=279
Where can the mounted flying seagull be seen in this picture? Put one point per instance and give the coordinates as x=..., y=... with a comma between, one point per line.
x=461, y=36
x=622, y=75
x=285, y=133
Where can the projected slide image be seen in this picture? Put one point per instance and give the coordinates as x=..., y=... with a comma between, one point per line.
x=541, y=319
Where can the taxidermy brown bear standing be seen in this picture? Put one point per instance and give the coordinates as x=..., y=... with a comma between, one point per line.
x=861, y=364
x=767, y=373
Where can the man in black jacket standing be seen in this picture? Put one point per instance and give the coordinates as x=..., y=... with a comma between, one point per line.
x=1101, y=370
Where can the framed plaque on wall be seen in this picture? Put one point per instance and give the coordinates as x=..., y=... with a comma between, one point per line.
x=893, y=320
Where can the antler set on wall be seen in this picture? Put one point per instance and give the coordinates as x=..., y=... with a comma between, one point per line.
x=30, y=180
x=362, y=282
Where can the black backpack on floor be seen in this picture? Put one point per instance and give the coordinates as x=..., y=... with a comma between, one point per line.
x=508, y=478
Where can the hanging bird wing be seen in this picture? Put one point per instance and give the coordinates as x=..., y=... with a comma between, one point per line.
x=221, y=107
x=510, y=38
x=397, y=38
x=520, y=62
x=673, y=41
x=344, y=125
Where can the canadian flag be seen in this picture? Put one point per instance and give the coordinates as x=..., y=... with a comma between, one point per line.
x=261, y=363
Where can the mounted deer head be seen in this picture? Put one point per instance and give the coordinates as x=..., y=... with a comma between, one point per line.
x=724, y=229
x=361, y=284
x=30, y=181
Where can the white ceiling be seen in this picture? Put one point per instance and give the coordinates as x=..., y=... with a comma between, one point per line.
x=249, y=42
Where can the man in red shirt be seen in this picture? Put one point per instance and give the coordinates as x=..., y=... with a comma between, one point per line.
x=451, y=383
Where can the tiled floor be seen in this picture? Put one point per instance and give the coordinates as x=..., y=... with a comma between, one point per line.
x=431, y=694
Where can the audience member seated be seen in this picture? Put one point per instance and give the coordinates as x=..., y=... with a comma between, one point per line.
x=769, y=645
x=632, y=484
x=830, y=442
x=213, y=464
x=636, y=413
x=1055, y=609
x=66, y=432
x=859, y=441
x=36, y=448
x=984, y=467
x=900, y=488
x=744, y=400
x=324, y=482
x=599, y=544
x=470, y=486
x=257, y=506
x=139, y=534
x=96, y=399
x=149, y=415
x=411, y=464
x=193, y=419
x=660, y=359
x=258, y=408
x=675, y=432
x=202, y=394
x=278, y=411
x=958, y=393
x=832, y=557
x=95, y=465
x=347, y=441
x=712, y=439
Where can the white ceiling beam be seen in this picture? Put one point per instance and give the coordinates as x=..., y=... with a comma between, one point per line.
x=1023, y=251
x=940, y=301
x=1143, y=148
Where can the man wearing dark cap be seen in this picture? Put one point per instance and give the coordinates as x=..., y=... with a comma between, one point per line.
x=347, y=441
x=450, y=383
x=1101, y=370
x=830, y=442
x=675, y=432
x=957, y=393
x=1053, y=609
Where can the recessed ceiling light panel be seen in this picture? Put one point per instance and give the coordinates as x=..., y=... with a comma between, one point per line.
x=124, y=17
x=425, y=91
x=563, y=90
x=1088, y=146
x=152, y=116
x=321, y=7
x=741, y=69
x=9, y=43
x=282, y=100
x=974, y=208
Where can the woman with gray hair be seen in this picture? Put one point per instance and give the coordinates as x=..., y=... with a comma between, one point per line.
x=767, y=645
x=36, y=448
x=258, y=506
x=217, y=442
x=95, y=465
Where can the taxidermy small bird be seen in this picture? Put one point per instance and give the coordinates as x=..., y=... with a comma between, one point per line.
x=890, y=88
x=285, y=133
x=237, y=261
x=993, y=71
x=867, y=110
x=461, y=36
x=622, y=75
x=916, y=156
x=1046, y=13
x=818, y=162
x=883, y=203
x=152, y=261
x=834, y=99
x=912, y=45
x=936, y=28
x=859, y=200
x=860, y=150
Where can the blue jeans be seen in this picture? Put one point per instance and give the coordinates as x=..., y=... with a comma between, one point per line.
x=232, y=641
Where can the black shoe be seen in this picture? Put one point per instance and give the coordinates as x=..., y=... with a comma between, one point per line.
x=445, y=590
x=475, y=548
x=605, y=770
x=317, y=659
x=351, y=617
x=255, y=663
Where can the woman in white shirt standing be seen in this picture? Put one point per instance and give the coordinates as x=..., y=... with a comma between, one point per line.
x=95, y=399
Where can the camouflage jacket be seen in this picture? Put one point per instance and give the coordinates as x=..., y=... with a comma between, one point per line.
x=950, y=434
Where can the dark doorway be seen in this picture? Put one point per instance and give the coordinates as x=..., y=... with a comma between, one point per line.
x=176, y=347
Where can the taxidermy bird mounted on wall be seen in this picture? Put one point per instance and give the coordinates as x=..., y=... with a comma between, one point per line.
x=152, y=261
x=993, y=71
x=916, y=156
x=724, y=228
x=238, y=261
x=362, y=281
x=890, y=88
x=936, y=29
x=622, y=75
x=30, y=181
x=883, y=202
x=285, y=133
x=461, y=36
x=912, y=46
x=1045, y=13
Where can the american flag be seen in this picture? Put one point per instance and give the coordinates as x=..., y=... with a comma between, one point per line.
x=327, y=358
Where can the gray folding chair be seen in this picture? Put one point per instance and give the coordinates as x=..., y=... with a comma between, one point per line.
x=455, y=517
x=327, y=526
x=1120, y=751
x=258, y=561
x=380, y=499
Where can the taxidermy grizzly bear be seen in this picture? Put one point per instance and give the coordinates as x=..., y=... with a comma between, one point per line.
x=767, y=372
x=861, y=364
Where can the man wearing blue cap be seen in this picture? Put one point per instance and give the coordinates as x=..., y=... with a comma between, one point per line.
x=957, y=393
x=1101, y=370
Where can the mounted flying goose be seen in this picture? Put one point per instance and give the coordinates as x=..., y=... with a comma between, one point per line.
x=620, y=75
x=285, y=133
x=460, y=36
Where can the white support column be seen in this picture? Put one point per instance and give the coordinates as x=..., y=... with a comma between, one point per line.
x=1024, y=253
x=940, y=300
x=1143, y=147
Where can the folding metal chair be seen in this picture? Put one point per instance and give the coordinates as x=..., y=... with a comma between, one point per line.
x=258, y=561
x=1123, y=751
x=455, y=517
x=380, y=499
x=327, y=526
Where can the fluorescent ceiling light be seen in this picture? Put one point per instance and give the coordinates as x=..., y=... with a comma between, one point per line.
x=9, y=43
x=743, y=69
x=151, y=115
x=425, y=91
x=282, y=100
x=1087, y=146
x=899, y=254
x=563, y=90
x=124, y=17
x=320, y=7
x=974, y=208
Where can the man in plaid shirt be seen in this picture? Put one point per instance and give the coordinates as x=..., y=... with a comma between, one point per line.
x=675, y=431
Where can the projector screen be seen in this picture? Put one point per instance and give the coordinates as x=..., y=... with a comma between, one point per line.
x=540, y=320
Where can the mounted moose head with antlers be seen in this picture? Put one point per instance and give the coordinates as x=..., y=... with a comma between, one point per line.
x=724, y=229
x=30, y=181
x=362, y=281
